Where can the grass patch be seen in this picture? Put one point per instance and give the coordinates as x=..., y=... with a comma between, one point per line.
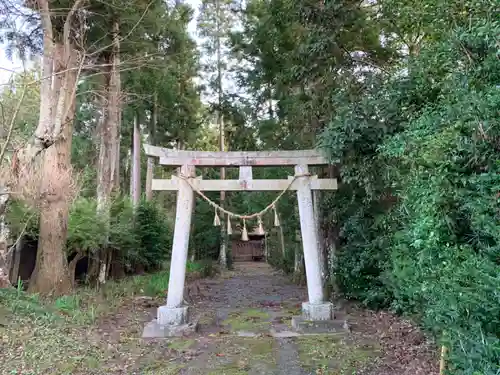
x=207, y=318
x=248, y=320
x=228, y=371
x=39, y=341
x=87, y=304
x=59, y=336
x=336, y=354
x=241, y=355
x=181, y=344
x=162, y=368
x=205, y=268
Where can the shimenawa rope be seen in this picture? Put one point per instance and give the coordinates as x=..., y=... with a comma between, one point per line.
x=272, y=205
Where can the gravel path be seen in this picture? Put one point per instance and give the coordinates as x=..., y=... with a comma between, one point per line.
x=252, y=288
x=288, y=358
x=244, y=329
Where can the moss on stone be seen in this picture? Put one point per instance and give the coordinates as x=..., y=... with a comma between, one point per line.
x=180, y=344
x=248, y=320
x=163, y=368
x=241, y=355
x=335, y=353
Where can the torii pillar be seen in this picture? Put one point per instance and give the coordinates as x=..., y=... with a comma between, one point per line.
x=316, y=309
x=173, y=318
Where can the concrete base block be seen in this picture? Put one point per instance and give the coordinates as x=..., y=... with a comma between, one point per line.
x=173, y=316
x=283, y=334
x=323, y=311
x=155, y=330
x=305, y=326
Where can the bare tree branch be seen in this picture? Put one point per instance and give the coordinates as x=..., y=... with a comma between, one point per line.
x=11, y=126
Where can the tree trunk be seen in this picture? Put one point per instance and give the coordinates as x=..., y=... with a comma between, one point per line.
x=16, y=260
x=72, y=267
x=115, y=101
x=323, y=256
x=151, y=140
x=282, y=239
x=220, y=121
x=4, y=263
x=51, y=270
x=136, y=164
x=331, y=237
x=223, y=234
x=297, y=267
x=109, y=152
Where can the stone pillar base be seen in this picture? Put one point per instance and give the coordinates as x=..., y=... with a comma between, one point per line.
x=318, y=327
x=170, y=322
x=155, y=330
x=318, y=319
x=322, y=311
x=172, y=316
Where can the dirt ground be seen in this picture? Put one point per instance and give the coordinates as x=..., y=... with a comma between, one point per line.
x=100, y=334
x=237, y=310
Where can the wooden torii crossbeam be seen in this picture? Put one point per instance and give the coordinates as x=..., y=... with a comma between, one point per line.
x=174, y=314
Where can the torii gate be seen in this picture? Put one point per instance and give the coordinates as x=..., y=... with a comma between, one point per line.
x=173, y=318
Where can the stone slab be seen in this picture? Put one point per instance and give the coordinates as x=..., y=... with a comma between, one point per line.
x=306, y=326
x=283, y=334
x=173, y=316
x=155, y=330
x=322, y=311
x=246, y=334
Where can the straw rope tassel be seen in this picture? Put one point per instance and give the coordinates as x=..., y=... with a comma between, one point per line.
x=260, y=229
x=217, y=208
x=442, y=360
x=244, y=232
x=229, y=228
x=216, y=219
x=276, y=218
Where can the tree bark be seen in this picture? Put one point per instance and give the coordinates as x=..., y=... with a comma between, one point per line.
x=115, y=101
x=4, y=262
x=330, y=232
x=136, y=164
x=72, y=267
x=151, y=140
x=16, y=260
x=223, y=234
x=51, y=275
x=53, y=107
x=109, y=152
x=323, y=256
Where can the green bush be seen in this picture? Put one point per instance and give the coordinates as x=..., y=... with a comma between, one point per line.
x=123, y=237
x=154, y=235
x=86, y=229
x=275, y=255
x=140, y=238
x=204, y=237
x=419, y=203
x=22, y=219
x=205, y=267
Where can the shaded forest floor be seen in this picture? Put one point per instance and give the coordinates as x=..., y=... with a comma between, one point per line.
x=100, y=333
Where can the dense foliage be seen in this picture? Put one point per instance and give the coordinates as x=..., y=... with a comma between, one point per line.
x=402, y=96
x=141, y=238
x=420, y=153
x=410, y=120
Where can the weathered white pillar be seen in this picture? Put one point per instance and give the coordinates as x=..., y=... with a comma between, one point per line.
x=149, y=179
x=174, y=313
x=185, y=200
x=315, y=308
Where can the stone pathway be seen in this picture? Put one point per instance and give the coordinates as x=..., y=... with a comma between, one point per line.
x=236, y=313
x=244, y=328
x=244, y=325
